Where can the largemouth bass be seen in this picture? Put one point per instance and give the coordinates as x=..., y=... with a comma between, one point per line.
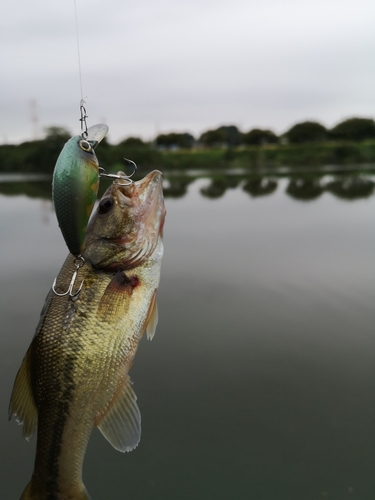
x=75, y=185
x=75, y=373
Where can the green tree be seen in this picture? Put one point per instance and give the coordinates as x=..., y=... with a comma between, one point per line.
x=57, y=134
x=306, y=132
x=233, y=137
x=257, y=136
x=227, y=135
x=354, y=129
x=212, y=138
x=132, y=142
x=175, y=140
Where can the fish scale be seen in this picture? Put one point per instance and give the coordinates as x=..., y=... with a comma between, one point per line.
x=75, y=374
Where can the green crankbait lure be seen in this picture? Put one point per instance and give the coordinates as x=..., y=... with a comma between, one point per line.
x=75, y=185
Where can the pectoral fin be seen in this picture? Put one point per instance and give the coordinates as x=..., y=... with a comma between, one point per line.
x=22, y=403
x=152, y=318
x=115, y=302
x=121, y=424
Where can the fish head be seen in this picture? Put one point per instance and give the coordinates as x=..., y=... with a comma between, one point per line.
x=127, y=225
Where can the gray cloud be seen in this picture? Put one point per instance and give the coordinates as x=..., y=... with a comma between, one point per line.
x=177, y=65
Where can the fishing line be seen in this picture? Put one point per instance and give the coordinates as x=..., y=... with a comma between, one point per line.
x=84, y=183
x=82, y=103
x=79, y=54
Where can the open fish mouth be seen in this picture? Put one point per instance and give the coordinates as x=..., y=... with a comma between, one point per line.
x=145, y=198
x=148, y=187
x=128, y=223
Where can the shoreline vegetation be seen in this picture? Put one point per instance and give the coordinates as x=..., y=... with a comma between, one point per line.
x=307, y=144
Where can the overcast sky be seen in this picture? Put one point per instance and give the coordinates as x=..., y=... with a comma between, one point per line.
x=156, y=66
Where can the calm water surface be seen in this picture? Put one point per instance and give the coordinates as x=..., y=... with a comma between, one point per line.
x=260, y=381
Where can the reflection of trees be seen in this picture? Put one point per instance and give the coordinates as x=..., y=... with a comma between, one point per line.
x=310, y=187
x=304, y=189
x=32, y=189
x=351, y=188
x=218, y=186
x=216, y=189
x=177, y=187
x=260, y=187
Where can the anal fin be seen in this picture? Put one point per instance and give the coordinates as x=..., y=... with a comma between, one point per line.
x=121, y=424
x=22, y=403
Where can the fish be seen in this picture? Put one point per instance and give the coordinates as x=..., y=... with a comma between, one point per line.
x=75, y=374
x=75, y=185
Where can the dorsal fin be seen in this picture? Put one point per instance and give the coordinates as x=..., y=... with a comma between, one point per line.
x=121, y=423
x=22, y=404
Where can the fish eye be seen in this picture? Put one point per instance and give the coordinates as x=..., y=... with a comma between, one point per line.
x=105, y=205
x=85, y=145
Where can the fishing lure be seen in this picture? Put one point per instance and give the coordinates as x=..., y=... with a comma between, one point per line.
x=75, y=185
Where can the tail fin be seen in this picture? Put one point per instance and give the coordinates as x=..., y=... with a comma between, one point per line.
x=34, y=493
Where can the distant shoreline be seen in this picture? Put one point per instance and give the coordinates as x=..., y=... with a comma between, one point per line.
x=273, y=156
x=40, y=156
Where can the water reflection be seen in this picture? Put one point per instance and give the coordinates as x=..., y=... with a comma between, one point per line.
x=177, y=187
x=260, y=187
x=351, y=188
x=259, y=383
x=305, y=189
x=219, y=185
x=41, y=189
x=302, y=186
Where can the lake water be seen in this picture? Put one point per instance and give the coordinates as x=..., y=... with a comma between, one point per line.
x=260, y=381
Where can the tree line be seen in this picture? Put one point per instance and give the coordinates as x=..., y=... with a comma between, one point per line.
x=352, y=129
x=217, y=147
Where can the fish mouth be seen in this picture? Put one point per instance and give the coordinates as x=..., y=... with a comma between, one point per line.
x=128, y=224
x=144, y=199
x=131, y=194
x=123, y=194
x=146, y=193
x=146, y=202
x=142, y=189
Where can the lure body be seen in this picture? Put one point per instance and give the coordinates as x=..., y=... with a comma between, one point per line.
x=75, y=186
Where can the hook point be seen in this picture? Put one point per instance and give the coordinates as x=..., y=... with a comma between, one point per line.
x=134, y=166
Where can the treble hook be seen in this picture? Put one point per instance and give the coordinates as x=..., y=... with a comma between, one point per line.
x=72, y=295
x=127, y=181
x=134, y=167
x=84, y=115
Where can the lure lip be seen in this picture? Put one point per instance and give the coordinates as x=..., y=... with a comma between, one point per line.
x=96, y=133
